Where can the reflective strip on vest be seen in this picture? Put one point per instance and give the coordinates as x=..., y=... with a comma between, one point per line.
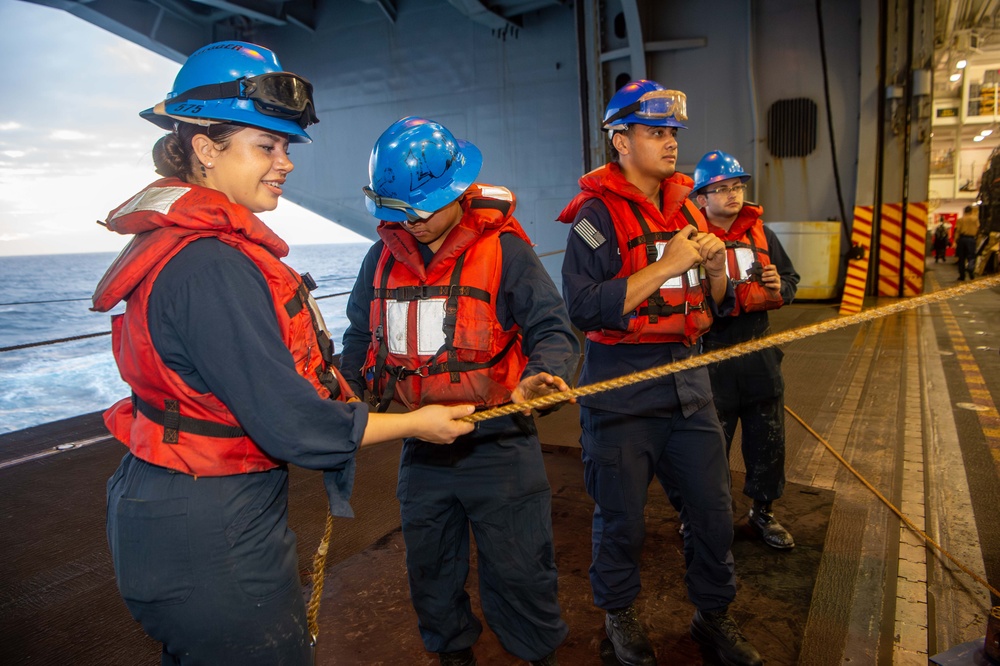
x=430, y=325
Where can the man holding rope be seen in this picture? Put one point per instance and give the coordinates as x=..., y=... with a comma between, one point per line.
x=642, y=277
x=749, y=389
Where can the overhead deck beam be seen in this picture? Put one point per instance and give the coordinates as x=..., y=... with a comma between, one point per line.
x=388, y=8
x=650, y=47
x=478, y=12
x=256, y=13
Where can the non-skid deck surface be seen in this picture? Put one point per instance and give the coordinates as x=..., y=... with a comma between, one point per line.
x=59, y=603
x=366, y=617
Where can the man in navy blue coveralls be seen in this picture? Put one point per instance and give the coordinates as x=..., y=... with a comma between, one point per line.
x=493, y=479
x=667, y=427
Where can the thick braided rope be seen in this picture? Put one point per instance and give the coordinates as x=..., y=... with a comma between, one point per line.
x=319, y=567
x=319, y=561
x=736, y=350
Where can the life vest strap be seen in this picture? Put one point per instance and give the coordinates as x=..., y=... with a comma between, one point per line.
x=665, y=309
x=422, y=292
x=173, y=423
x=652, y=236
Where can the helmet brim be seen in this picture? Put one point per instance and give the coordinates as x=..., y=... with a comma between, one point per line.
x=464, y=176
x=744, y=177
x=623, y=123
x=165, y=116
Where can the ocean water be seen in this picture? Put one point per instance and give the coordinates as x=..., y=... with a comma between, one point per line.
x=47, y=297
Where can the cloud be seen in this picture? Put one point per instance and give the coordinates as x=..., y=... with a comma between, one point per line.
x=72, y=144
x=67, y=135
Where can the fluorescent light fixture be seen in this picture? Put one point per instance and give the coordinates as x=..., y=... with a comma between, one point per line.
x=961, y=64
x=955, y=77
x=978, y=138
x=986, y=132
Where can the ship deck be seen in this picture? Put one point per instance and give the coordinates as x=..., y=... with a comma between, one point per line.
x=909, y=400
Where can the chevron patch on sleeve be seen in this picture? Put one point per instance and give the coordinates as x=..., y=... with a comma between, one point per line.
x=589, y=233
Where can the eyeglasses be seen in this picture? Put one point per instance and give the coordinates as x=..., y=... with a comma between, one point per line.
x=412, y=214
x=655, y=104
x=277, y=94
x=726, y=191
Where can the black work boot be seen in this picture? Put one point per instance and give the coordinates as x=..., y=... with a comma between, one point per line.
x=627, y=634
x=718, y=632
x=762, y=520
x=547, y=660
x=460, y=658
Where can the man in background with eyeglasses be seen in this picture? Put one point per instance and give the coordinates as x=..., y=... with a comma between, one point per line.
x=749, y=389
x=643, y=277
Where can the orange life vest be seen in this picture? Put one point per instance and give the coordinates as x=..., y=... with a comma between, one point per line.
x=746, y=254
x=436, y=338
x=166, y=422
x=678, y=312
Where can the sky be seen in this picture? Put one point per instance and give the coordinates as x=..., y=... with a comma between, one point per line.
x=72, y=144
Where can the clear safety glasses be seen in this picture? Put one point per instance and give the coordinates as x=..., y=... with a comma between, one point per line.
x=412, y=214
x=655, y=105
x=726, y=191
x=276, y=94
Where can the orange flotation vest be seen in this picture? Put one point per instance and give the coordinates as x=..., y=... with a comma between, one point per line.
x=166, y=422
x=436, y=338
x=746, y=254
x=678, y=312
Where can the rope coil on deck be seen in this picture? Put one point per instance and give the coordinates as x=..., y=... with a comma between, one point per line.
x=697, y=362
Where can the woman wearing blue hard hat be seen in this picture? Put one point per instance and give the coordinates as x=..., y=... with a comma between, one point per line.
x=231, y=373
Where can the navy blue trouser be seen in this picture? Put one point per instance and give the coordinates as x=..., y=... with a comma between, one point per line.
x=621, y=455
x=208, y=565
x=494, y=481
x=749, y=390
x=965, y=252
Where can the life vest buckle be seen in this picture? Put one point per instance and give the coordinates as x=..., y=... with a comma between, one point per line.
x=688, y=307
x=402, y=373
x=418, y=292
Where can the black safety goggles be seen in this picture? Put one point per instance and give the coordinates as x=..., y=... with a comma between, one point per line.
x=276, y=94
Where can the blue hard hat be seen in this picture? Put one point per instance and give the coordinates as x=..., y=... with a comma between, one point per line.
x=237, y=82
x=416, y=168
x=646, y=102
x=716, y=166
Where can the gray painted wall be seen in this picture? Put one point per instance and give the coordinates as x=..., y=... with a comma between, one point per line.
x=517, y=100
x=521, y=98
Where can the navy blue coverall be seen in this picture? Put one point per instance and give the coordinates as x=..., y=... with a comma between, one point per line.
x=208, y=565
x=750, y=390
x=492, y=479
x=664, y=427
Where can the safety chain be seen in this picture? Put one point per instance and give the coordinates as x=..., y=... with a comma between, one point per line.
x=698, y=361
